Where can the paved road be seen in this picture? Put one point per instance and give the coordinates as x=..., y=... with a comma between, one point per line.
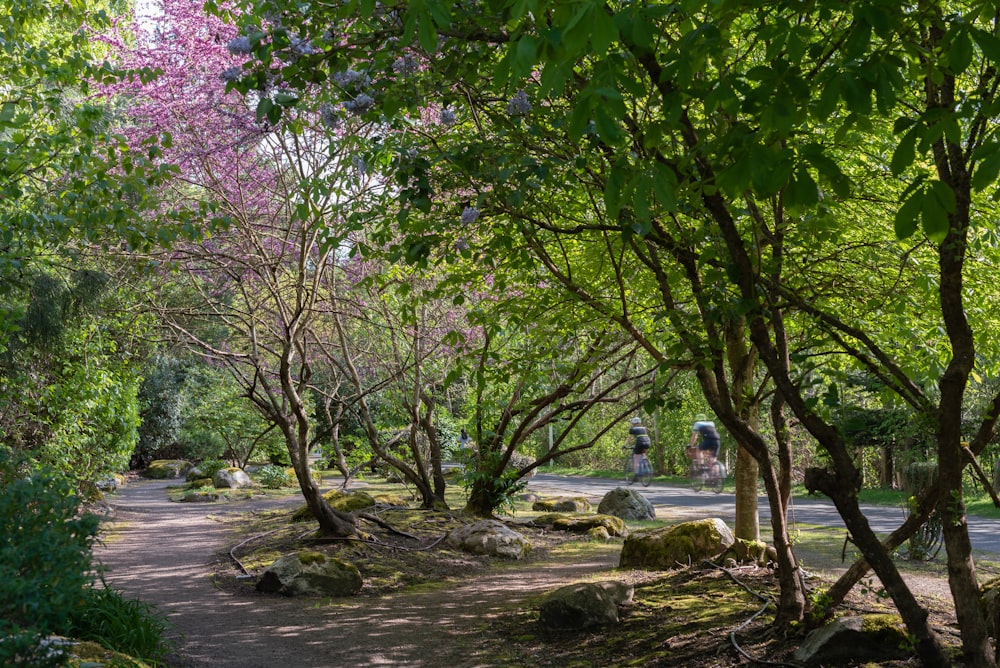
x=984, y=533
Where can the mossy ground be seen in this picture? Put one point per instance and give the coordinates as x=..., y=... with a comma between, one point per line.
x=693, y=617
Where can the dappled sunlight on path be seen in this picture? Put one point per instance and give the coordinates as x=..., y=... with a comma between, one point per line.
x=164, y=555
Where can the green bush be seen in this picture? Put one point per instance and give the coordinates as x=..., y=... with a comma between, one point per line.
x=210, y=467
x=124, y=625
x=45, y=559
x=274, y=477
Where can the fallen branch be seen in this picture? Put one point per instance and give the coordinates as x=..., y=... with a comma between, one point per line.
x=385, y=525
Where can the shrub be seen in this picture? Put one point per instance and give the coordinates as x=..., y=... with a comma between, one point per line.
x=45, y=559
x=273, y=477
x=210, y=467
x=124, y=625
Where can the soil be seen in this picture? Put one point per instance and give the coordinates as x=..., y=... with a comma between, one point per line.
x=424, y=604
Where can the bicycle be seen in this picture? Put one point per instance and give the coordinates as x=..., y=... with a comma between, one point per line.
x=645, y=475
x=710, y=476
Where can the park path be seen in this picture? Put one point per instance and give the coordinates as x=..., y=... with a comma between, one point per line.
x=163, y=553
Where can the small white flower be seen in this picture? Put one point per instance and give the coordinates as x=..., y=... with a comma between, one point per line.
x=351, y=79
x=231, y=73
x=469, y=215
x=301, y=47
x=359, y=164
x=240, y=46
x=519, y=104
x=328, y=115
x=359, y=105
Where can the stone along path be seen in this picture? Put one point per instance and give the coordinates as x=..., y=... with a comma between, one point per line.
x=163, y=554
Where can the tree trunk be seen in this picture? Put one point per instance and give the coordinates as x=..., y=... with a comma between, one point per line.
x=913, y=614
x=332, y=522
x=742, y=360
x=747, y=522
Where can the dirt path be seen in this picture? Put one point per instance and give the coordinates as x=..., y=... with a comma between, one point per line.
x=163, y=554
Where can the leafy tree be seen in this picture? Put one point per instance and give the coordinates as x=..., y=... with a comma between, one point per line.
x=719, y=147
x=72, y=374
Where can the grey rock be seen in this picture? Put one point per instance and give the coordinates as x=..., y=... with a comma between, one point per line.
x=310, y=574
x=627, y=504
x=584, y=605
x=857, y=640
x=490, y=537
x=231, y=478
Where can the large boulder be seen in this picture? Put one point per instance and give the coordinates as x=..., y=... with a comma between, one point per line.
x=680, y=545
x=490, y=537
x=309, y=573
x=584, y=605
x=613, y=526
x=855, y=640
x=627, y=504
x=231, y=478
x=161, y=469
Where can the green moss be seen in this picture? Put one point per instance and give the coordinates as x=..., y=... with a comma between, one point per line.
x=888, y=625
x=310, y=557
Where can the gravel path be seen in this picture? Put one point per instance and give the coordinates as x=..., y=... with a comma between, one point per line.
x=163, y=554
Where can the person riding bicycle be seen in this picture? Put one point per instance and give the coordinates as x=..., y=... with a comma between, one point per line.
x=704, y=434
x=640, y=444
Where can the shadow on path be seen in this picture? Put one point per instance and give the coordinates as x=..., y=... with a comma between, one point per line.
x=163, y=554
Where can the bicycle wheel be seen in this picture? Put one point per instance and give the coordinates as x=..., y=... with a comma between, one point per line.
x=645, y=472
x=697, y=477
x=717, y=477
x=628, y=469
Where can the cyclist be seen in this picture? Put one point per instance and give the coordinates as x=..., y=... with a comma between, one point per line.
x=640, y=444
x=704, y=434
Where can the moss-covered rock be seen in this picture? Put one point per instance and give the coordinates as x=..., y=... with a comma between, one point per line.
x=677, y=546
x=311, y=573
x=200, y=497
x=346, y=502
x=615, y=526
x=389, y=499
x=856, y=640
x=162, y=469
x=564, y=504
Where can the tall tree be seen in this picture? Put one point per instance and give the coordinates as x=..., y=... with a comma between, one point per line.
x=715, y=140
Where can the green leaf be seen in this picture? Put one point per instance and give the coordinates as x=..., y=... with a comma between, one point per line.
x=944, y=195
x=523, y=61
x=613, y=189
x=934, y=217
x=989, y=44
x=905, y=152
x=908, y=215
x=987, y=170
x=427, y=33
x=665, y=187
x=960, y=53
x=264, y=106
x=802, y=189
x=607, y=127
x=603, y=31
